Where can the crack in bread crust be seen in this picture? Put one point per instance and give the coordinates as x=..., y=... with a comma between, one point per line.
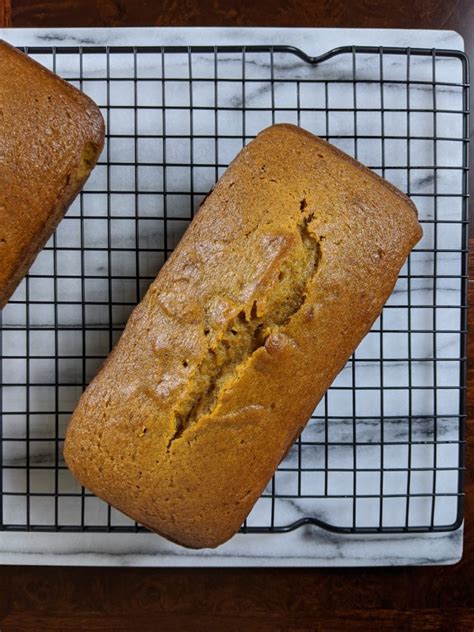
x=245, y=334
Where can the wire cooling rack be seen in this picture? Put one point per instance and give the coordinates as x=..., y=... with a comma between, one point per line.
x=384, y=449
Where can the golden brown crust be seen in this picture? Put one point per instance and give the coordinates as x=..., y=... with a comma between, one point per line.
x=282, y=272
x=52, y=135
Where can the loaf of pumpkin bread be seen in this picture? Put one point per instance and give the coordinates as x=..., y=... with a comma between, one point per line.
x=50, y=137
x=280, y=275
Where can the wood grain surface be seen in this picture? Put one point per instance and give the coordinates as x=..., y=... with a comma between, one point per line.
x=5, y=13
x=299, y=600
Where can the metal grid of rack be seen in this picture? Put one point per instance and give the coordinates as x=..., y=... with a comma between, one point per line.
x=384, y=449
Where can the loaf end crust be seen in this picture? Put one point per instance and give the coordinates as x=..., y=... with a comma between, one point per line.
x=51, y=136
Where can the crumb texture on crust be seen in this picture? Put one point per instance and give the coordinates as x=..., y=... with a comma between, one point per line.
x=52, y=137
x=282, y=272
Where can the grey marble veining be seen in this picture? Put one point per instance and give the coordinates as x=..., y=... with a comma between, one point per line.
x=305, y=547
x=335, y=472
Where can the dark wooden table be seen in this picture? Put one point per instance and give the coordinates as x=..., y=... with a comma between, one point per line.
x=301, y=600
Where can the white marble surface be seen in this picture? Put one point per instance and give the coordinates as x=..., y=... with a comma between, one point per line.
x=325, y=496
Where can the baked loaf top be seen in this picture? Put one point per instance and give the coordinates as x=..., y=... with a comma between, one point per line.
x=51, y=135
x=281, y=273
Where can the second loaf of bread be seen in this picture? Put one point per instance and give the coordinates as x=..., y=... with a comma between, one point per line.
x=280, y=275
